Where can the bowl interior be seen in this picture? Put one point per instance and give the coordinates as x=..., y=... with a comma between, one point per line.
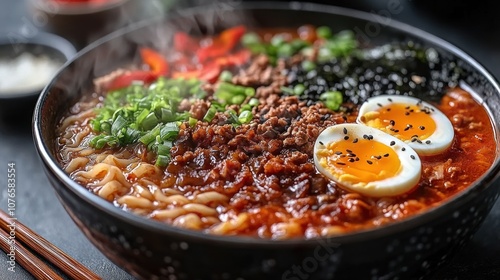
x=121, y=49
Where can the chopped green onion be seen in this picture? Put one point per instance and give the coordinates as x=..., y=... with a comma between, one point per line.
x=287, y=90
x=245, y=117
x=169, y=131
x=192, y=121
x=149, y=122
x=277, y=40
x=332, y=99
x=250, y=39
x=253, y=102
x=225, y=76
x=299, y=89
x=162, y=160
x=210, y=115
x=308, y=65
x=324, y=32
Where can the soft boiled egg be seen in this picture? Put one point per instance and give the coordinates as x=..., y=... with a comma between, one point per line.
x=366, y=160
x=419, y=124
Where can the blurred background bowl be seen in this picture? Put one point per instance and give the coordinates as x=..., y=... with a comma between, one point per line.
x=49, y=49
x=82, y=22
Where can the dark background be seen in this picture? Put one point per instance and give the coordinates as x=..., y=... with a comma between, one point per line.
x=474, y=26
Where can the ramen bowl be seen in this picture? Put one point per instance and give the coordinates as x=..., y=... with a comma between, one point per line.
x=411, y=248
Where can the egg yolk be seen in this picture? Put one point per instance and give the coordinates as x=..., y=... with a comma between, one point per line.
x=359, y=160
x=405, y=122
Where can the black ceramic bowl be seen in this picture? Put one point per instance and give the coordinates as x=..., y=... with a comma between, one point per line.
x=147, y=249
x=16, y=103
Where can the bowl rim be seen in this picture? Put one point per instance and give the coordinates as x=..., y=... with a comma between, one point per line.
x=47, y=41
x=486, y=181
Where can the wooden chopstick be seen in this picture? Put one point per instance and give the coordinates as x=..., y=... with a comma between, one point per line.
x=49, y=251
x=26, y=259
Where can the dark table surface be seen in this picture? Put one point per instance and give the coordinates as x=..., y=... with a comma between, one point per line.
x=472, y=28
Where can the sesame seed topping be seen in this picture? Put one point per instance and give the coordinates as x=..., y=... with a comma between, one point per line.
x=365, y=136
x=392, y=122
x=380, y=105
x=397, y=130
x=414, y=139
x=407, y=113
x=351, y=160
x=349, y=151
x=370, y=137
x=377, y=157
x=369, y=162
x=357, y=158
x=386, y=155
x=340, y=163
x=355, y=141
x=388, y=109
x=422, y=127
x=338, y=152
x=407, y=107
x=403, y=149
x=392, y=143
x=428, y=142
x=321, y=143
x=412, y=157
x=345, y=130
x=346, y=137
x=390, y=100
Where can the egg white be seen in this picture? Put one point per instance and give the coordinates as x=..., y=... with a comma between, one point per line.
x=440, y=140
x=406, y=178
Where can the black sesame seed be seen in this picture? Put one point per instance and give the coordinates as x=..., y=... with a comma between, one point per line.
x=349, y=151
x=403, y=149
x=365, y=136
x=414, y=139
x=369, y=162
x=407, y=113
x=390, y=100
x=386, y=155
x=377, y=157
x=346, y=137
x=340, y=163
x=428, y=142
x=355, y=141
x=418, y=141
x=370, y=137
x=412, y=157
x=397, y=130
x=392, y=122
x=380, y=105
x=321, y=143
x=388, y=109
x=406, y=129
x=407, y=107
x=345, y=130
x=422, y=127
x=338, y=152
x=351, y=160
x=357, y=158
x=392, y=143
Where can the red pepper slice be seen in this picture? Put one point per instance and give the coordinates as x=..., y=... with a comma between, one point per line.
x=236, y=59
x=127, y=78
x=156, y=62
x=184, y=43
x=222, y=44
